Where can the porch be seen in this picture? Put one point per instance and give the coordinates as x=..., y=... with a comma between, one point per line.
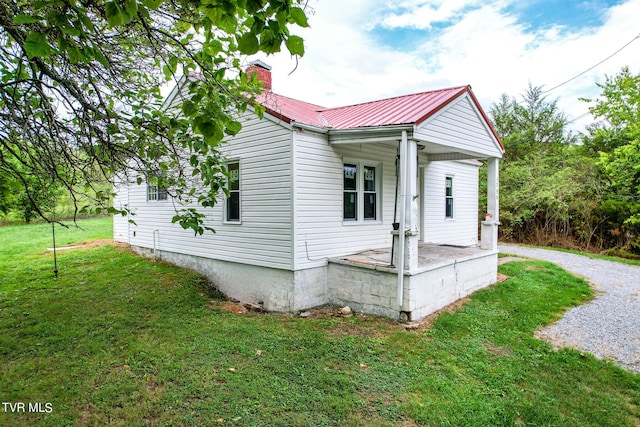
x=366, y=281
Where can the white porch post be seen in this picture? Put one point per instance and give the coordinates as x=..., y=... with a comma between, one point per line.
x=407, y=238
x=411, y=209
x=399, y=261
x=489, y=235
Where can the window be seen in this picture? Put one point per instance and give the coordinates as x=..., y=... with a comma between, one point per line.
x=156, y=193
x=370, y=193
x=233, y=200
x=360, y=192
x=448, y=196
x=350, y=192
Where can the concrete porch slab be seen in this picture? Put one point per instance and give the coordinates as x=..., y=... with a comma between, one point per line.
x=430, y=256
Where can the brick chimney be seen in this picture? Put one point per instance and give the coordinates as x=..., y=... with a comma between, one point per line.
x=263, y=71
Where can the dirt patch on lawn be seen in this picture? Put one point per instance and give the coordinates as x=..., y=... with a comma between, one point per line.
x=510, y=258
x=90, y=244
x=228, y=307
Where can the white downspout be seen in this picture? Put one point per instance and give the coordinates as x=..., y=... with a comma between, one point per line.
x=155, y=242
x=403, y=220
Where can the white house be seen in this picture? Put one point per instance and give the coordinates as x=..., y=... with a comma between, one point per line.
x=314, y=197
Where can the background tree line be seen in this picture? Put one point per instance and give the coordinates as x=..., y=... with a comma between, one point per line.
x=567, y=190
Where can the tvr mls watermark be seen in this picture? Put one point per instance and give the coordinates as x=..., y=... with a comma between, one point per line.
x=30, y=407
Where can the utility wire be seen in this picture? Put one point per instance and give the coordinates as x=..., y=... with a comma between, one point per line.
x=589, y=69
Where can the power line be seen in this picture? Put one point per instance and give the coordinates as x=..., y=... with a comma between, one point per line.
x=589, y=69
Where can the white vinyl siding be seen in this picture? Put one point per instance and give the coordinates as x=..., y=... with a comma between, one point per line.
x=264, y=236
x=460, y=126
x=462, y=228
x=120, y=223
x=320, y=228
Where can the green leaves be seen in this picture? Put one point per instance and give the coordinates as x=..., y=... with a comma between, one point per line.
x=233, y=127
x=36, y=44
x=26, y=19
x=114, y=14
x=298, y=17
x=152, y=4
x=131, y=7
x=295, y=45
x=210, y=130
x=248, y=44
x=190, y=218
x=222, y=16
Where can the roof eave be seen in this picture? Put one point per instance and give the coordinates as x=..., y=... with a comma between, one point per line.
x=383, y=133
x=276, y=115
x=309, y=127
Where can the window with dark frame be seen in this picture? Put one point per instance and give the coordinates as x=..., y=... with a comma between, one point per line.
x=156, y=193
x=350, y=178
x=233, y=200
x=449, y=197
x=370, y=196
x=360, y=192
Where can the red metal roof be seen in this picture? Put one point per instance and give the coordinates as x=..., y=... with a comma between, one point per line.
x=289, y=109
x=407, y=109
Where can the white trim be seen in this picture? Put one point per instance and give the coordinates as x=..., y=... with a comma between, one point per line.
x=421, y=198
x=369, y=134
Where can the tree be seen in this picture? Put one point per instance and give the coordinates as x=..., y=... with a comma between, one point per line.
x=617, y=111
x=80, y=99
x=549, y=191
x=615, y=139
x=6, y=197
x=531, y=126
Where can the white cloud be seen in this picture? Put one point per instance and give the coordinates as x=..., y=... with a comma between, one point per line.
x=422, y=15
x=485, y=47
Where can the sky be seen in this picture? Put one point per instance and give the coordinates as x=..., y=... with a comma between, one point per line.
x=363, y=50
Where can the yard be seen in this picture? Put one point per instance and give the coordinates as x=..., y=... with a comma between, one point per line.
x=120, y=340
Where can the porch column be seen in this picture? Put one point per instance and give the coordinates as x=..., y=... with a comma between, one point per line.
x=407, y=244
x=411, y=208
x=489, y=234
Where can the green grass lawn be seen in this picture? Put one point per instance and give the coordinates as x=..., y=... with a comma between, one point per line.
x=121, y=340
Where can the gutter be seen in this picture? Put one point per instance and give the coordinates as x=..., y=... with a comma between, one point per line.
x=311, y=128
x=368, y=134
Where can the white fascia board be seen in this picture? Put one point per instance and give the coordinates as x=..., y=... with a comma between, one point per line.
x=311, y=128
x=371, y=134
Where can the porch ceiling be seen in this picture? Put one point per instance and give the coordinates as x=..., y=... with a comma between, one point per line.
x=433, y=151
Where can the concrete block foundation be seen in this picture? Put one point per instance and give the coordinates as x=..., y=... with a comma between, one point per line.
x=364, y=286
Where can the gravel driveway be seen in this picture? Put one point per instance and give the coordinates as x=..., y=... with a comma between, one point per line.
x=608, y=326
